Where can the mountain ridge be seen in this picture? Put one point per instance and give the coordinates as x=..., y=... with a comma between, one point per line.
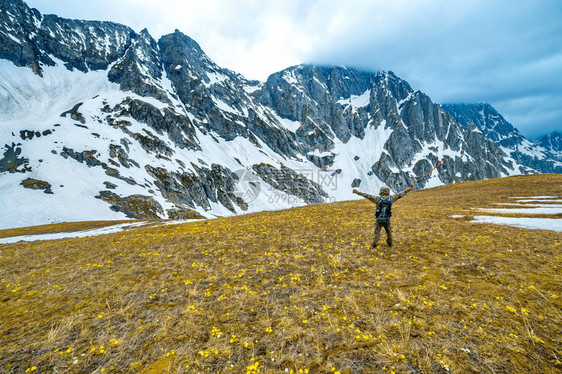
x=540, y=156
x=156, y=126
x=552, y=142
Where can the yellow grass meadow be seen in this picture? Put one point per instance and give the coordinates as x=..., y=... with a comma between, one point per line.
x=294, y=291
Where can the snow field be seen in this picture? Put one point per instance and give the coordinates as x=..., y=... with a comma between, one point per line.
x=533, y=223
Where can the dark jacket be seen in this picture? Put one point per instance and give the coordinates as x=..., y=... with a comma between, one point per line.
x=377, y=198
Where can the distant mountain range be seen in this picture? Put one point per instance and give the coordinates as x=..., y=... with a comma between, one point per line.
x=543, y=156
x=100, y=122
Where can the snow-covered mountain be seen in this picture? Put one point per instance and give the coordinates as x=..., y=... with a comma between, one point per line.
x=541, y=156
x=99, y=122
x=553, y=143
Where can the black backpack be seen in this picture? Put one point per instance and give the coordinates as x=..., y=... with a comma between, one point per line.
x=383, y=212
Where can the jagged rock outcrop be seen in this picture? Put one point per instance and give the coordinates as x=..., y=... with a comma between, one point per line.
x=497, y=129
x=553, y=143
x=11, y=162
x=290, y=183
x=200, y=188
x=31, y=39
x=134, y=206
x=35, y=184
x=139, y=69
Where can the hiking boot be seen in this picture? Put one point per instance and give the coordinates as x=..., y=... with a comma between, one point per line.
x=389, y=244
x=373, y=246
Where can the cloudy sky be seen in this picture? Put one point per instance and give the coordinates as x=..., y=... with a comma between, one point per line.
x=505, y=52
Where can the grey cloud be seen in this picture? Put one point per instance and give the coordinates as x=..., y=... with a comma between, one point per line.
x=499, y=52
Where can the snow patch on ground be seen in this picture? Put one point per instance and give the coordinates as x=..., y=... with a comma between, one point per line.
x=87, y=233
x=534, y=197
x=551, y=224
x=531, y=205
x=557, y=209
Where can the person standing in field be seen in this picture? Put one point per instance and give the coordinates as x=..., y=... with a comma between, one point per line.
x=383, y=203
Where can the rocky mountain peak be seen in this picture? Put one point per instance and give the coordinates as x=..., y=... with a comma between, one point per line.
x=30, y=39
x=552, y=142
x=157, y=126
x=487, y=119
x=183, y=49
x=139, y=69
x=399, y=88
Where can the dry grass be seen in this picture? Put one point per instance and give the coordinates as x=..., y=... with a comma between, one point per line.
x=58, y=228
x=295, y=291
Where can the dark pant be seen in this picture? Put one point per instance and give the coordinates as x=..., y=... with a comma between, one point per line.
x=378, y=227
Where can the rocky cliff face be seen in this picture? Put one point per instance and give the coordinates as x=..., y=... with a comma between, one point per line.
x=497, y=129
x=34, y=40
x=552, y=143
x=117, y=125
x=336, y=107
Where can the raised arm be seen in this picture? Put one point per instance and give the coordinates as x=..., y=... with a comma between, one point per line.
x=371, y=198
x=400, y=194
